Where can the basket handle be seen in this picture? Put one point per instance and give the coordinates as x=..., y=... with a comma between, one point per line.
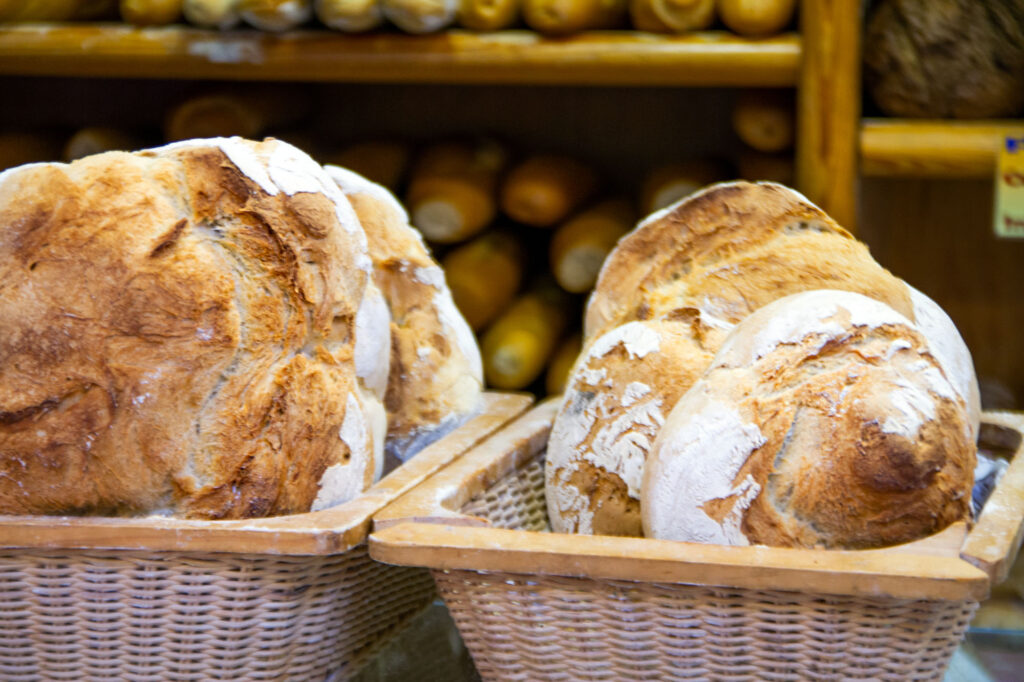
x=995, y=539
x=439, y=499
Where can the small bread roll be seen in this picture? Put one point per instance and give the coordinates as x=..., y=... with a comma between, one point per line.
x=619, y=393
x=488, y=15
x=824, y=420
x=245, y=113
x=543, y=190
x=351, y=16
x=756, y=18
x=420, y=16
x=562, y=17
x=150, y=12
x=222, y=14
x=275, y=15
x=681, y=16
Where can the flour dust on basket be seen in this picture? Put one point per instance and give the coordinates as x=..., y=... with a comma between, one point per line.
x=193, y=330
x=752, y=376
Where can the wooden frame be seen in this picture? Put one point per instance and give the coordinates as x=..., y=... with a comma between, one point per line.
x=330, y=531
x=425, y=528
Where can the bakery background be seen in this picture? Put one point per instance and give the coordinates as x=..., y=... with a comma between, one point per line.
x=923, y=197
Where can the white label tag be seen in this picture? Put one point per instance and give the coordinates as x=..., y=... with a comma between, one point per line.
x=1008, y=213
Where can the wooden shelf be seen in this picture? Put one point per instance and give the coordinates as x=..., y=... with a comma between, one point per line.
x=522, y=57
x=932, y=149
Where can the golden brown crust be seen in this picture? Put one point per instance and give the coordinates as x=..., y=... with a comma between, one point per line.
x=177, y=338
x=435, y=376
x=623, y=385
x=728, y=250
x=824, y=420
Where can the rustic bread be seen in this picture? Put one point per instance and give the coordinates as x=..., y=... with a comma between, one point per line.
x=726, y=251
x=733, y=247
x=824, y=420
x=620, y=390
x=436, y=377
x=181, y=335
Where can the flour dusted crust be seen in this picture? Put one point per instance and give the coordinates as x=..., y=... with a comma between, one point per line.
x=824, y=420
x=619, y=393
x=436, y=377
x=179, y=335
x=728, y=250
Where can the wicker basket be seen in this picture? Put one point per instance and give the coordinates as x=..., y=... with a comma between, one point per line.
x=287, y=598
x=535, y=605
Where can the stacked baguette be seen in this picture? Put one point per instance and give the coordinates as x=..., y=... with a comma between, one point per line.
x=751, y=376
x=213, y=329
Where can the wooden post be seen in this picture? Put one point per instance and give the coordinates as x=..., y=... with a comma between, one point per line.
x=828, y=109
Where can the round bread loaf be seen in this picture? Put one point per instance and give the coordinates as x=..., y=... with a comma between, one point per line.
x=728, y=250
x=436, y=376
x=621, y=388
x=733, y=247
x=824, y=420
x=181, y=329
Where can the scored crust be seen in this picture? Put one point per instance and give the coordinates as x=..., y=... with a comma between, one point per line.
x=179, y=334
x=619, y=392
x=436, y=375
x=729, y=249
x=823, y=421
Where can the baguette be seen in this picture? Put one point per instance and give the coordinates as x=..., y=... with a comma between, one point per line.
x=517, y=347
x=484, y=276
x=453, y=188
x=561, y=364
x=579, y=247
x=543, y=190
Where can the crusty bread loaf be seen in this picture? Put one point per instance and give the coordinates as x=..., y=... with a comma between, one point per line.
x=180, y=335
x=436, y=376
x=823, y=420
x=729, y=249
x=619, y=392
x=733, y=247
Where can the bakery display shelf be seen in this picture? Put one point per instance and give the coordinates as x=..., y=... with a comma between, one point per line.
x=521, y=57
x=933, y=148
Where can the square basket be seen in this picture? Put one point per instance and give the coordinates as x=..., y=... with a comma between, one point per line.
x=536, y=605
x=293, y=597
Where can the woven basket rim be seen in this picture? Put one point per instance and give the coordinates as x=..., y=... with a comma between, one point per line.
x=329, y=531
x=425, y=528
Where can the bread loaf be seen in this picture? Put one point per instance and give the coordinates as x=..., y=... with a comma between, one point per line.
x=181, y=335
x=351, y=16
x=728, y=250
x=824, y=420
x=619, y=392
x=436, y=375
